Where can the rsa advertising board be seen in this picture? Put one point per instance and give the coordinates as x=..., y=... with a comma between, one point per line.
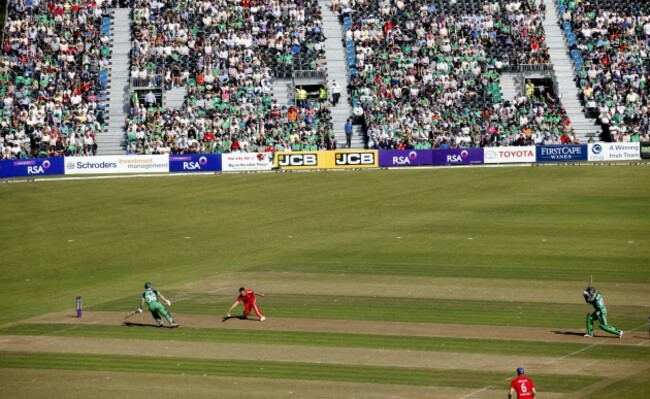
x=32, y=167
x=390, y=158
x=614, y=151
x=195, y=163
x=117, y=164
x=525, y=154
x=458, y=156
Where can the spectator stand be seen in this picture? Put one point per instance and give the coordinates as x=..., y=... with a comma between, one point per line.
x=427, y=75
x=226, y=54
x=609, y=42
x=52, y=79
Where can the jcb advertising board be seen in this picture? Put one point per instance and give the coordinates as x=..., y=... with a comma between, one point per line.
x=351, y=159
x=299, y=160
x=341, y=159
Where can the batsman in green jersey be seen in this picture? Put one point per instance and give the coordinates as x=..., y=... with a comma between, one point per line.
x=150, y=297
x=595, y=299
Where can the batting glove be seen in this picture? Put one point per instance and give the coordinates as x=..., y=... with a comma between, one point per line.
x=228, y=314
x=169, y=303
x=139, y=310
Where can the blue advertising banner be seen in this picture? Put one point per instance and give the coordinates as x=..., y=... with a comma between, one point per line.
x=404, y=157
x=562, y=153
x=195, y=163
x=32, y=167
x=457, y=156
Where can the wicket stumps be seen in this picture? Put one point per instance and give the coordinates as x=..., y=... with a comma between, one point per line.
x=79, y=306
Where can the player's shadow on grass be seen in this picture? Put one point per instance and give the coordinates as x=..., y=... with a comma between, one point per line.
x=226, y=318
x=577, y=334
x=130, y=324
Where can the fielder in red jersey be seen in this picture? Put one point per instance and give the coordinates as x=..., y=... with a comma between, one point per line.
x=522, y=385
x=248, y=298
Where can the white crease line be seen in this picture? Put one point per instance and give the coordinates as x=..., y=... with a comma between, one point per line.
x=474, y=393
x=67, y=329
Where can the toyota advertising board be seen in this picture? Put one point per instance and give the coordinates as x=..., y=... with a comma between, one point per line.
x=457, y=156
x=524, y=154
x=390, y=158
x=117, y=164
x=195, y=163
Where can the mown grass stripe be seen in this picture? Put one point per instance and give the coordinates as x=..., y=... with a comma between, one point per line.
x=285, y=370
x=424, y=310
x=338, y=340
x=630, y=273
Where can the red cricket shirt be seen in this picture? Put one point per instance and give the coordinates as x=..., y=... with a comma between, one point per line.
x=524, y=387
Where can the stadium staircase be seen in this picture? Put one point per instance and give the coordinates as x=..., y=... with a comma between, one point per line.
x=175, y=97
x=112, y=142
x=509, y=86
x=564, y=74
x=283, y=91
x=337, y=70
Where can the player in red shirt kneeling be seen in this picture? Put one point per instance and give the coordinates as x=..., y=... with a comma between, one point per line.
x=522, y=385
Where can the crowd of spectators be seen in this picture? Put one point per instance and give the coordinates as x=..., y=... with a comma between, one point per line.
x=226, y=52
x=51, y=96
x=614, y=41
x=424, y=78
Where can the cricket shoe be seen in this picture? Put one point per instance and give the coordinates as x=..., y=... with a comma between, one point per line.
x=262, y=318
x=174, y=325
x=620, y=334
x=589, y=335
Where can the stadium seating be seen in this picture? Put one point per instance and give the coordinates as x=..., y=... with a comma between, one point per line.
x=227, y=53
x=52, y=78
x=427, y=75
x=610, y=43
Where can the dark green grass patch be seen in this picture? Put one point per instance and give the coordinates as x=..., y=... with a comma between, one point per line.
x=421, y=310
x=336, y=340
x=634, y=387
x=285, y=370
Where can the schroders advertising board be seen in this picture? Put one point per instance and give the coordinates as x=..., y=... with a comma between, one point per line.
x=404, y=157
x=195, y=163
x=561, y=153
x=117, y=164
x=614, y=151
x=524, y=154
x=457, y=156
x=32, y=167
x=244, y=161
x=299, y=160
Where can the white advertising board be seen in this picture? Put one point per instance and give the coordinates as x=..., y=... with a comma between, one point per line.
x=509, y=154
x=117, y=164
x=244, y=161
x=614, y=151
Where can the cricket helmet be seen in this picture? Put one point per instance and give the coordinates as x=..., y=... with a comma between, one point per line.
x=520, y=370
x=147, y=285
x=591, y=290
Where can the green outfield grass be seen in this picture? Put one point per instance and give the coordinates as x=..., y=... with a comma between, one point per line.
x=523, y=227
x=339, y=340
x=102, y=239
x=284, y=370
